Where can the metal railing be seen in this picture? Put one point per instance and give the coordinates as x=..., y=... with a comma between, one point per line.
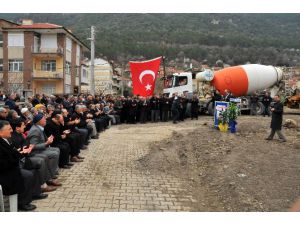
x=50, y=75
x=58, y=50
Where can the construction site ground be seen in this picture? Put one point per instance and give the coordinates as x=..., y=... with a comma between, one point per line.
x=189, y=166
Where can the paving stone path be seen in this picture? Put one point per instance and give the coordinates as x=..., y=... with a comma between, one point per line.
x=108, y=179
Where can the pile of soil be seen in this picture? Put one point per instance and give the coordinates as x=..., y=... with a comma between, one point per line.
x=232, y=172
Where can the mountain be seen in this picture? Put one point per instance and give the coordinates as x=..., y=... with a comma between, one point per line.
x=232, y=38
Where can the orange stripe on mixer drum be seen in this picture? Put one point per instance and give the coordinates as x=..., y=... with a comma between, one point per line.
x=233, y=78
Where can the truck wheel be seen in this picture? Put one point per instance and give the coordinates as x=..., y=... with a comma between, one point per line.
x=260, y=108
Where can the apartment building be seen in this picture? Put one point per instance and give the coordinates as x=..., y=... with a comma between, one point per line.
x=40, y=58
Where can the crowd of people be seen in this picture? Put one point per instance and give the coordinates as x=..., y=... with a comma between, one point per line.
x=49, y=132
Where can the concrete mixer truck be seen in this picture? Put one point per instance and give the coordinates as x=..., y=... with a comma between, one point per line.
x=242, y=81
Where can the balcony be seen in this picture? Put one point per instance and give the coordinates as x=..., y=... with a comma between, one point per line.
x=47, y=75
x=84, y=80
x=45, y=52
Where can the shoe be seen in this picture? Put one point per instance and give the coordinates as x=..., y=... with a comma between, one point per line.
x=75, y=159
x=84, y=147
x=53, y=183
x=54, y=177
x=269, y=139
x=70, y=164
x=48, y=189
x=94, y=137
x=65, y=167
x=282, y=140
x=174, y=122
x=79, y=157
x=27, y=207
x=41, y=196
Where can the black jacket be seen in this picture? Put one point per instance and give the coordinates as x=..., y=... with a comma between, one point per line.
x=52, y=128
x=10, y=174
x=276, y=121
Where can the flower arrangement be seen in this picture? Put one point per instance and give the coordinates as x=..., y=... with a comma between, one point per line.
x=233, y=111
x=223, y=117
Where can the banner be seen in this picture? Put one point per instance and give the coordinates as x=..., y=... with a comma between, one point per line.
x=144, y=75
x=219, y=106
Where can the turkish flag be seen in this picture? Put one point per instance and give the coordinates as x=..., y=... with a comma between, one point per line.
x=143, y=75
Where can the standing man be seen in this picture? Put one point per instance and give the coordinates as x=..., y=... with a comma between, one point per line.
x=228, y=95
x=194, y=107
x=276, y=122
x=266, y=102
x=175, y=108
x=253, y=103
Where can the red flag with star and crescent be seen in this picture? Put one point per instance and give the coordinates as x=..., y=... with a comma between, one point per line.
x=143, y=75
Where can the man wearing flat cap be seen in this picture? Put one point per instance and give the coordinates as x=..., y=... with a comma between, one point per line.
x=38, y=138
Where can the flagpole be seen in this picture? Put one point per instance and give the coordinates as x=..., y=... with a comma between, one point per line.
x=164, y=67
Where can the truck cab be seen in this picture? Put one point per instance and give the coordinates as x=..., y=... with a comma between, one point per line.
x=181, y=83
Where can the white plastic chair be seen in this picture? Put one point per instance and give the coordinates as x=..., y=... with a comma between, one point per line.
x=1, y=200
x=12, y=199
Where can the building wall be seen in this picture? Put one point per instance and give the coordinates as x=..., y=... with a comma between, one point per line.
x=38, y=86
x=5, y=60
x=27, y=63
x=1, y=53
x=103, y=79
x=73, y=65
x=15, y=52
x=61, y=41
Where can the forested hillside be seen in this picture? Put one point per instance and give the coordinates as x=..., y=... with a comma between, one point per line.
x=232, y=38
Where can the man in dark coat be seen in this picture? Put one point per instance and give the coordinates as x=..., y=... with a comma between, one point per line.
x=54, y=128
x=13, y=179
x=154, y=106
x=175, y=108
x=253, y=103
x=228, y=95
x=165, y=107
x=194, y=107
x=36, y=164
x=266, y=101
x=276, y=122
x=143, y=105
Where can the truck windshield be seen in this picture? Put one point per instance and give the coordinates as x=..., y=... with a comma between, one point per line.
x=180, y=81
x=168, y=82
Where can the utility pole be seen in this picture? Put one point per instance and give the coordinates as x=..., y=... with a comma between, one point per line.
x=92, y=80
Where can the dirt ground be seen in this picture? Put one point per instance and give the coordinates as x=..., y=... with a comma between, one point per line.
x=232, y=172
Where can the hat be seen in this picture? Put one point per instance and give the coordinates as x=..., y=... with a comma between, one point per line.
x=38, y=106
x=24, y=110
x=37, y=117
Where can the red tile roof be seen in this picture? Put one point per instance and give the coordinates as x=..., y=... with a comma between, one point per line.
x=39, y=26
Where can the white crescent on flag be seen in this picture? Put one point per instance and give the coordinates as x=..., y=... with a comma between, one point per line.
x=145, y=72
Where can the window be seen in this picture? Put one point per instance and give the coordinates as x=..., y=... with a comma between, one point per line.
x=181, y=81
x=168, y=82
x=1, y=65
x=76, y=72
x=48, y=65
x=49, y=89
x=68, y=68
x=49, y=41
x=69, y=44
x=15, y=40
x=15, y=65
x=67, y=89
x=78, y=51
